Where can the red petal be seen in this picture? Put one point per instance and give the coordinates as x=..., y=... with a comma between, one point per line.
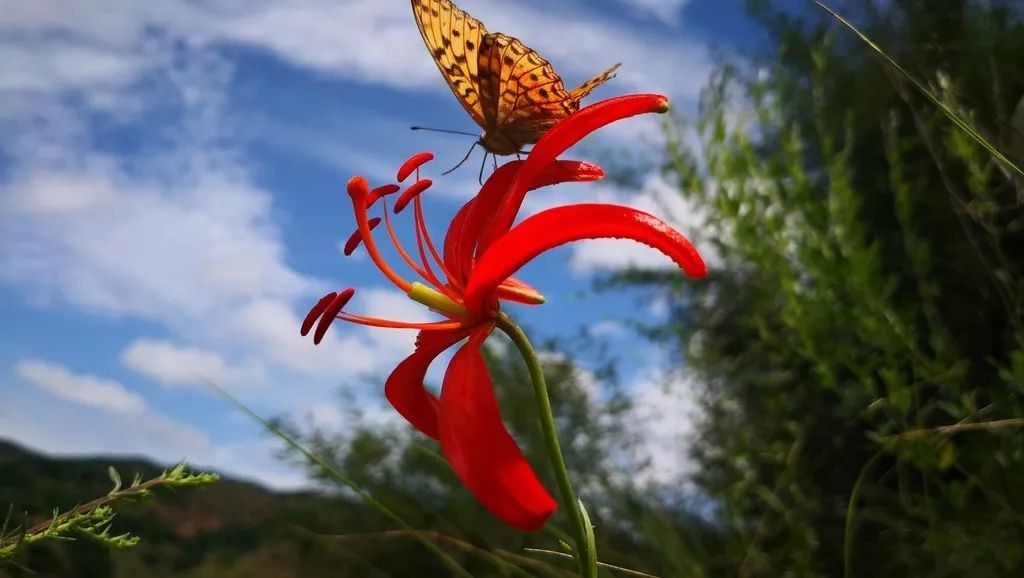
x=357, y=237
x=316, y=312
x=330, y=313
x=414, y=162
x=454, y=256
x=561, y=225
x=494, y=194
x=564, y=135
x=411, y=193
x=513, y=289
x=480, y=449
x=404, y=387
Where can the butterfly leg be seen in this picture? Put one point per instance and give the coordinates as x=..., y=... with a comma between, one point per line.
x=464, y=159
x=483, y=163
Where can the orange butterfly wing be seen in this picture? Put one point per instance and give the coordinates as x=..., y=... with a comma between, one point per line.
x=581, y=91
x=520, y=90
x=512, y=92
x=454, y=38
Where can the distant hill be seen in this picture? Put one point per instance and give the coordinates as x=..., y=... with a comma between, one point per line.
x=229, y=529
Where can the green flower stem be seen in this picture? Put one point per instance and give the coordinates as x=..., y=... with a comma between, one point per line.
x=586, y=555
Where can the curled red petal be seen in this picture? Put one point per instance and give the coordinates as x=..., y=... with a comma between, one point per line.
x=503, y=213
x=565, y=134
x=404, y=387
x=330, y=313
x=480, y=449
x=357, y=237
x=381, y=191
x=414, y=162
x=464, y=231
x=411, y=193
x=461, y=241
x=561, y=225
x=316, y=312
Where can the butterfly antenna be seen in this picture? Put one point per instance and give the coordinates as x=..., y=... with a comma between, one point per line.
x=444, y=130
x=464, y=159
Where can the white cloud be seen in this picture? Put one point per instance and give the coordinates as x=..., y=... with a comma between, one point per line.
x=255, y=460
x=177, y=366
x=64, y=429
x=327, y=416
x=586, y=379
x=132, y=246
x=667, y=10
x=87, y=390
x=179, y=236
x=56, y=194
x=184, y=239
x=608, y=328
x=362, y=40
x=270, y=328
x=61, y=65
x=665, y=413
x=393, y=304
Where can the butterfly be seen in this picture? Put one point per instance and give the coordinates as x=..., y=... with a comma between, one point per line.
x=512, y=92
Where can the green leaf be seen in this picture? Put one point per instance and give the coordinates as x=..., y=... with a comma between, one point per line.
x=114, y=477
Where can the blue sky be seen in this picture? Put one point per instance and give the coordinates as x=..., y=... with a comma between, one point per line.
x=172, y=202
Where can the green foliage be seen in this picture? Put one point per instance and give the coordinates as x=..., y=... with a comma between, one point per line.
x=867, y=298
x=94, y=519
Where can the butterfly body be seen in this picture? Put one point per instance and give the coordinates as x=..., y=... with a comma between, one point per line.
x=508, y=89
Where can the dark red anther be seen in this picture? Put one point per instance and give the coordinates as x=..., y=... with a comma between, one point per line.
x=381, y=191
x=316, y=312
x=357, y=237
x=411, y=193
x=414, y=162
x=331, y=312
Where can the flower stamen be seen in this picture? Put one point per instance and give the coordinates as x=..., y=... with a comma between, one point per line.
x=413, y=163
x=381, y=191
x=358, y=189
x=400, y=249
x=390, y=324
x=421, y=224
x=330, y=313
x=411, y=193
x=357, y=237
x=430, y=275
x=316, y=312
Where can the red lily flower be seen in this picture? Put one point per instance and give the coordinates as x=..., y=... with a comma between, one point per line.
x=481, y=251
